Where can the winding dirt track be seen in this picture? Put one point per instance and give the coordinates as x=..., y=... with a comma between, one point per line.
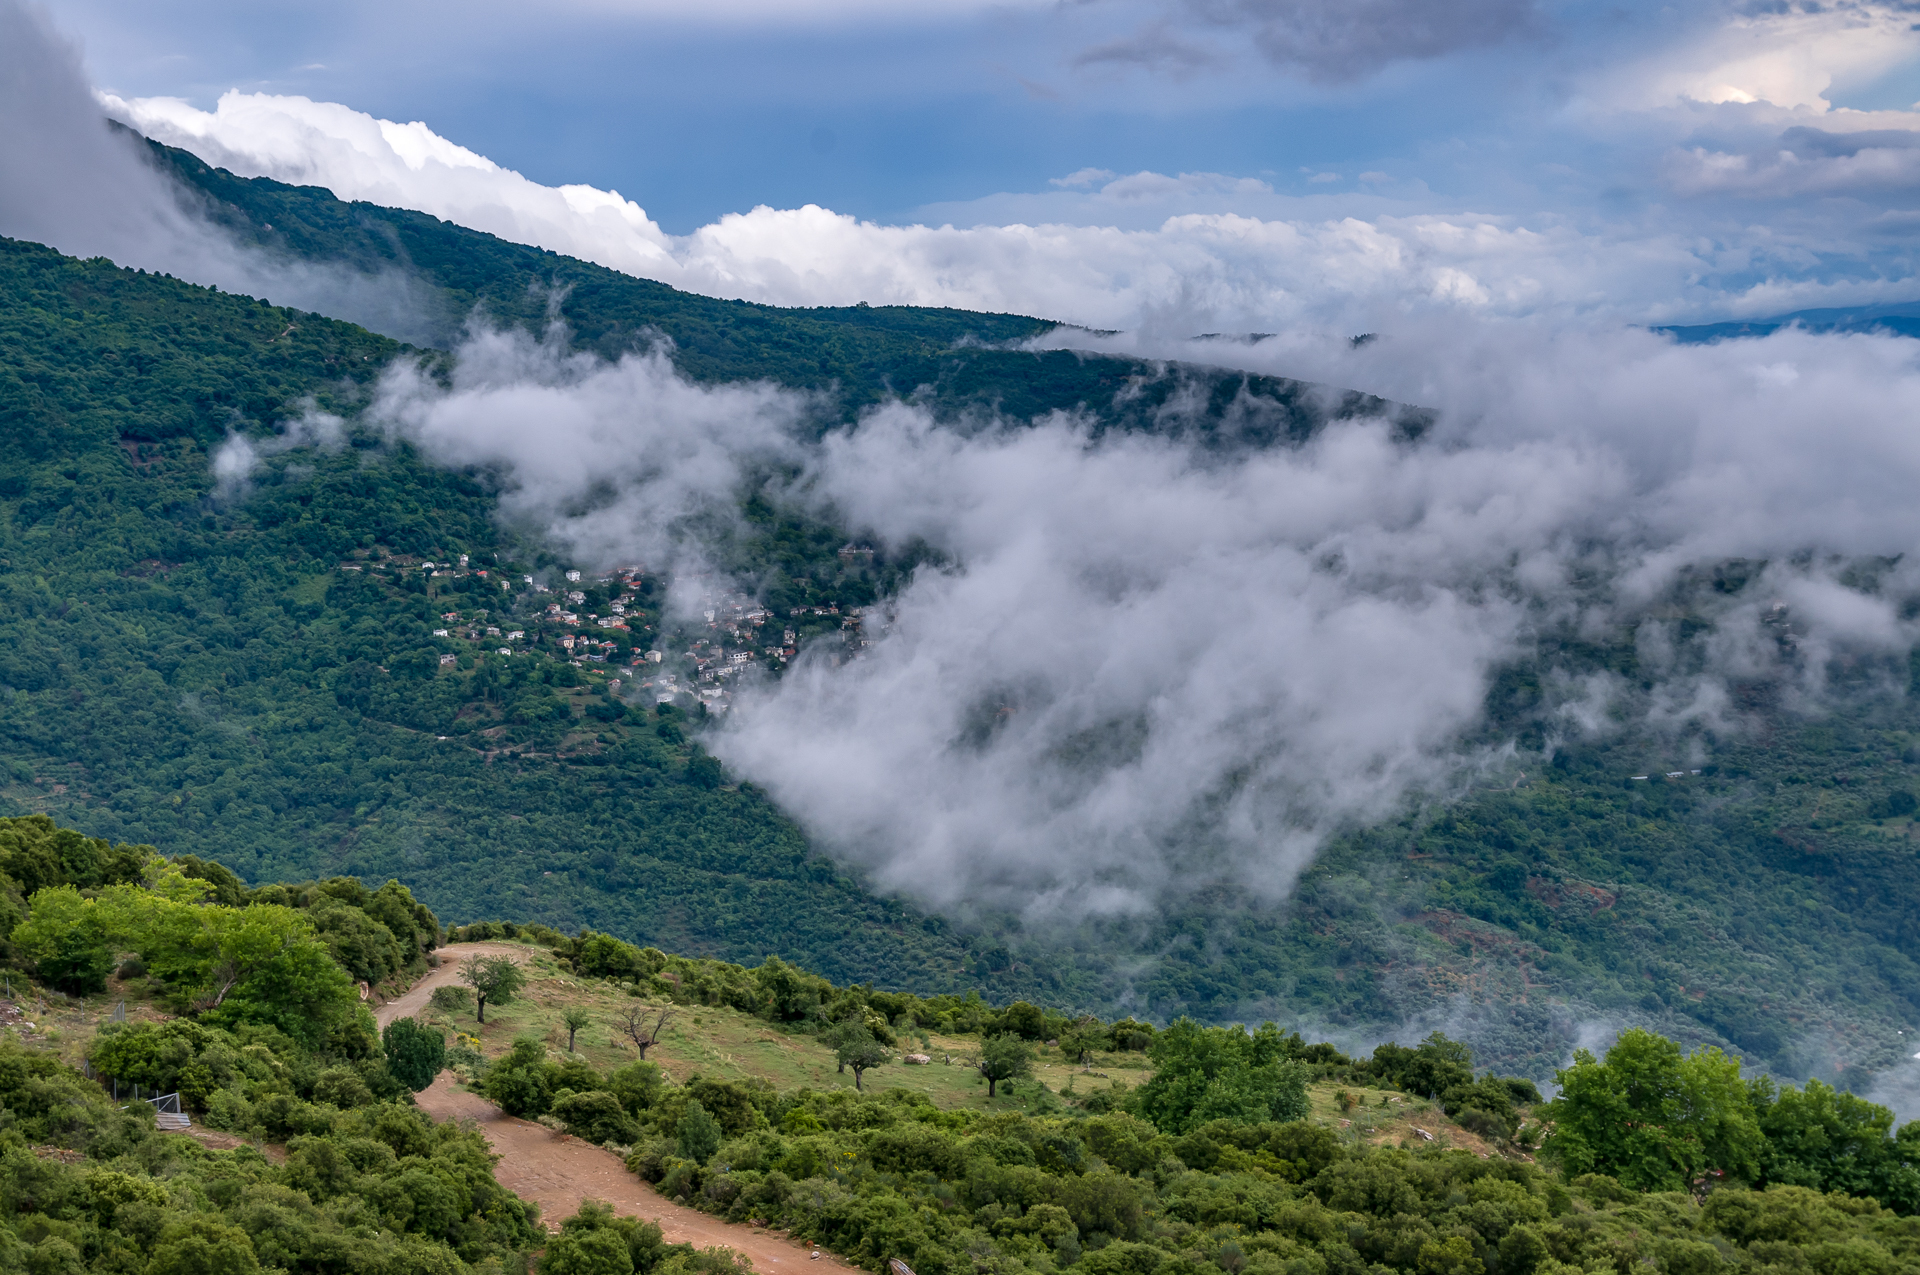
x=559, y=1172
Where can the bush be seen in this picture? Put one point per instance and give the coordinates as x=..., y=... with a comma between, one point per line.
x=452, y=998
x=342, y=1087
x=415, y=1053
x=596, y=1116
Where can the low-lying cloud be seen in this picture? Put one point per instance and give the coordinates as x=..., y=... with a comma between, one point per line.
x=67, y=179
x=1147, y=667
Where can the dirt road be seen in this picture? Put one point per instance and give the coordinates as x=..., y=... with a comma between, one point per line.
x=559, y=1172
x=415, y=998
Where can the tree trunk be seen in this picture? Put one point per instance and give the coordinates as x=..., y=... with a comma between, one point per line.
x=991, y=1083
x=570, y=1040
x=481, y=1003
x=857, y=1073
x=643, y=1048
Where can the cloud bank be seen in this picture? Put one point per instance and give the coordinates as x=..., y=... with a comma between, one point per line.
x=1189, y=270
x=1206, y=268
x=67, y=180
x=1149, y=668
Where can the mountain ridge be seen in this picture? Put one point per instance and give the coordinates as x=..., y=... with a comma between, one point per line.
x=178, y=667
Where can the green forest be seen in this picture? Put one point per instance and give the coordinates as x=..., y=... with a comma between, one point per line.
x=1650, y=1157
x=259, y=678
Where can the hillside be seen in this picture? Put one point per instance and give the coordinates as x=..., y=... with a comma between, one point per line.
x=1222, y=1150
x=861, y=355
x=175, y=668
x=260, y=676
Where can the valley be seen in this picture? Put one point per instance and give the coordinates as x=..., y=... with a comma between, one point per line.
x=261, y=672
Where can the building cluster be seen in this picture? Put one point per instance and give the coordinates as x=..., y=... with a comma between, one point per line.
x=740, y=633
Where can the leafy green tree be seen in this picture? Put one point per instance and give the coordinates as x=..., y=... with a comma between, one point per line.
x=638, y=1085
x=1024, y=1020
x=1830, y=1140
x=604, y=956
x=1218, y=1073
x=67, y=940
x=856, y=1047
x=301, y=991
x=790, y=994
x=258, y=963
x=587, y=1252
x=1002, y=1058
x=698, y=1135
x=1082, y=1037
x=492, y=978
x=367, y=949
x=415, y=1052
x=1654, y=1118
x=200, y=1246
x=1430, y=1069
x=646, y=1249
x=521, y=1081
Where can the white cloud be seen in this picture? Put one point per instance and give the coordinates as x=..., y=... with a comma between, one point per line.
x=1082, y=178
x=1150, y=670
x=1788, y=55
x=67, y=181
x=607, y=459
x=1804, y=161
x=1151, y=665
x=1205, y=270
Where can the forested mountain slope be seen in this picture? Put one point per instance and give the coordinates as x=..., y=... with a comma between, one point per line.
x=860, y=354
x=259, y=675
x=175, y=668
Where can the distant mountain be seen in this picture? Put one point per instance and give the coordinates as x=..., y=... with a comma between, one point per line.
x=258, y=681
x=1901, y=319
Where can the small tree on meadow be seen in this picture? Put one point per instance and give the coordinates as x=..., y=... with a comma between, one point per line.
x=492, y=978
x=573, y=1018
x=857, y=1047
x=645, y=1026
x=1003, y=1058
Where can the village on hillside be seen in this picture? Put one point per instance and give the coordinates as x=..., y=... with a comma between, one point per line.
x=691, y=653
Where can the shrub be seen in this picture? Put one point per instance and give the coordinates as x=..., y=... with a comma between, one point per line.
x=596, y=1116
x=415, y=1053
x=451, y=998
x=699, y=1133
x=343, y=1087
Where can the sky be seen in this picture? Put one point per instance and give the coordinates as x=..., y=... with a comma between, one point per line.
x=1254, y=163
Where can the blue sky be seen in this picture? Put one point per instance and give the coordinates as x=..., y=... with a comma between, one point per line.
x=696, y=119
x=1723, y=157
